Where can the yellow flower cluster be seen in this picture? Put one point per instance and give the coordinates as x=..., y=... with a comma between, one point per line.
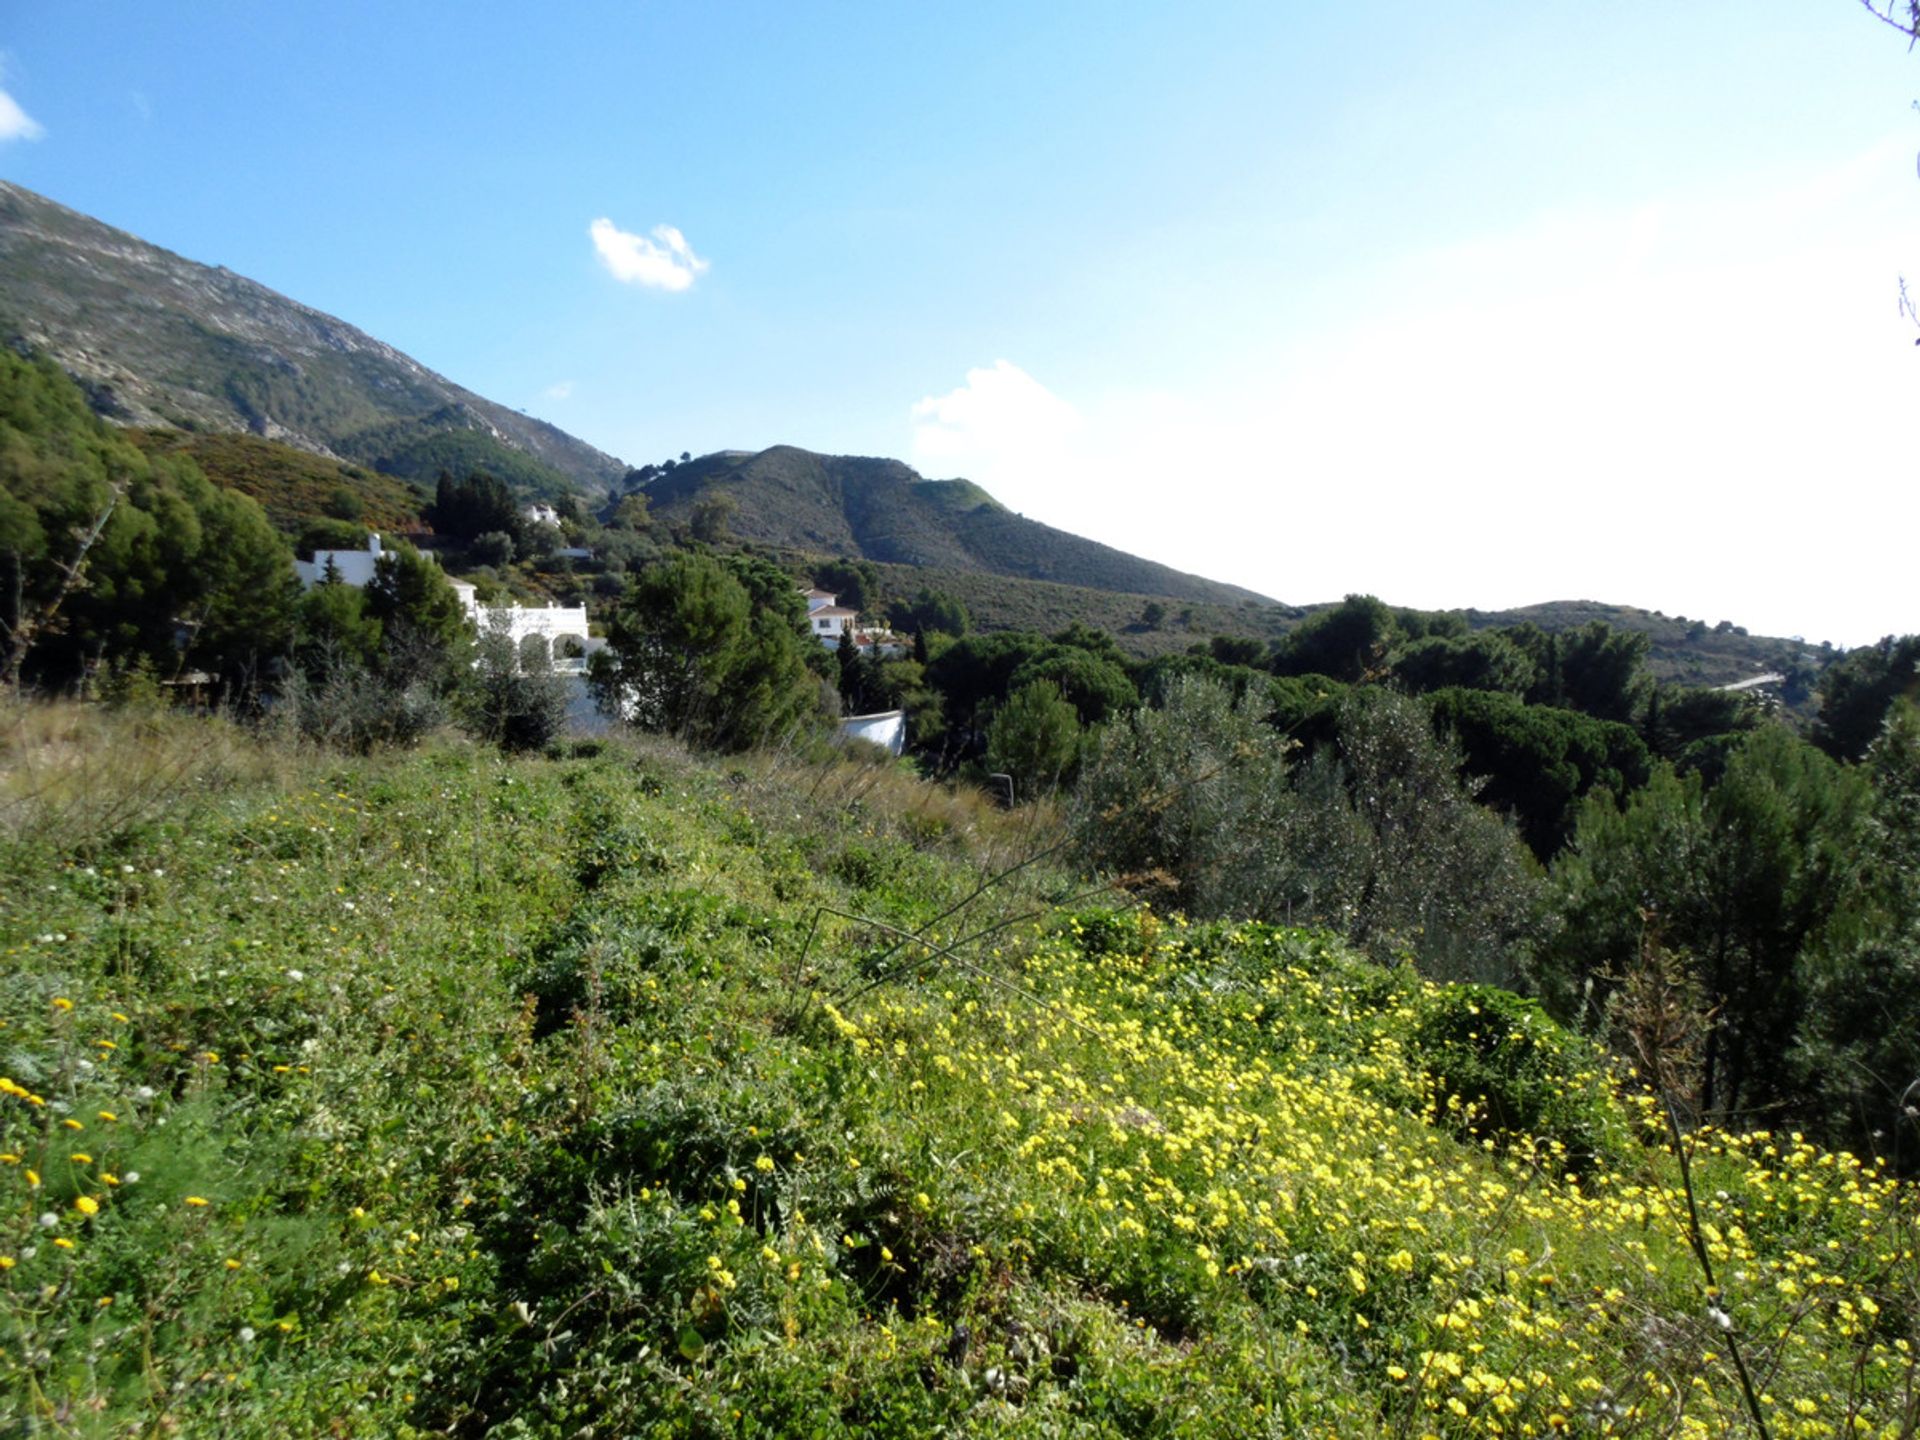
x=1164, y=1124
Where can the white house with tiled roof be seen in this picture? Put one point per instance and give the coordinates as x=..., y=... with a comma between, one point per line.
x=828, y=620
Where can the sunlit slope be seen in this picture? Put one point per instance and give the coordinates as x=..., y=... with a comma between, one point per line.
x=158, y=339
x=451, y=1096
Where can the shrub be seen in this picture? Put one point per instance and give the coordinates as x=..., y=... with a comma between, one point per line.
x=1500, y=1068
x=509, y=703
x=348, y=707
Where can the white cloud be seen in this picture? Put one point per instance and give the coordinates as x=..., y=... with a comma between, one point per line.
x=665, y=262
x=1697, y=403
x=1002, y=425
x=15, y=123
x=560, y=390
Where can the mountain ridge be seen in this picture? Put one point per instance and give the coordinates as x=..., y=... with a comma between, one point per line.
x=159, y=339
x=870, y=508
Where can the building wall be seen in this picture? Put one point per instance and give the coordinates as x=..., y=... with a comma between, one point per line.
x=551, y=622
x=888, y=730
x=354, y=567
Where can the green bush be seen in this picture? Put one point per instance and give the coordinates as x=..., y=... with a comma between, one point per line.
x=1501, y=1069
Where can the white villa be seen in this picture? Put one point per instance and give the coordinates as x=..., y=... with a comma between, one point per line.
x=828, y=620
x=556, y=634
x=354, y=567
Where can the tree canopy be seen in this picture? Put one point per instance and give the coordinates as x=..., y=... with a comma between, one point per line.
x=710, y=653
x=110, y=556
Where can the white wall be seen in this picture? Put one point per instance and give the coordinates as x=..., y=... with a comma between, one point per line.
x=354, y=567
x=888, y=730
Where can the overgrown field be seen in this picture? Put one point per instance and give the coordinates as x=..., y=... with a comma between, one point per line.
x=598, y=1095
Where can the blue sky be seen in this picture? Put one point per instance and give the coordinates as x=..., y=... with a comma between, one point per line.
x=1471, y=304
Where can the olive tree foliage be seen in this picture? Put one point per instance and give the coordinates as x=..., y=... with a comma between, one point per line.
x=1203, y=804
x=512, y=698
x=1191, y=803
x=335, y=699
x=1438, y=874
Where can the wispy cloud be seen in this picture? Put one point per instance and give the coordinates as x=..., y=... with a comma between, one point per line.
x=142, y=106
x=664, y=262
x=15, y=123
x=559, y=390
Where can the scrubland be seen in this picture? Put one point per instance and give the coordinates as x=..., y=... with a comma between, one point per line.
x=618, y=1092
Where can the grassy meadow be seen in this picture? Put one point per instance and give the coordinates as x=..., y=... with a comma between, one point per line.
x=620, y=1092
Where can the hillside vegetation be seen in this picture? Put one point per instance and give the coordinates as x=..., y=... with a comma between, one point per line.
x=294, y=487
x=605, y=1094
x=157, y=340
x=883, y=510
x=1006, y=602
x=1682, y=650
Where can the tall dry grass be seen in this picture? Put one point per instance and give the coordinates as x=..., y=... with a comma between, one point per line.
x=863, y=782
x=75, y=778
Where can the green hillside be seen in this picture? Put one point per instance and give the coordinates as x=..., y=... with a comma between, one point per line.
x=593, y=1095
x=1005, y=602
x=293, y=486
x=882, y=510
x=1684, y=651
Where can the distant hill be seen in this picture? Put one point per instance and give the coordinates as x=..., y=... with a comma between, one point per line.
x=156, y=339
x=229, y=367
x=884, y=510
x=1685, y=651
x=1005, y=602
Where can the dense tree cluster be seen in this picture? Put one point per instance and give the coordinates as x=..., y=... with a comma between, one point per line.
x=122, y=568
x=111, y=558
x=480, y=504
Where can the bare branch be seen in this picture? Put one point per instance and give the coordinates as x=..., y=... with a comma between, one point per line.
x=30, y=625
x=1902, y=15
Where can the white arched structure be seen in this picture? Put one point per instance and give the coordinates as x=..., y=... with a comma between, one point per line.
x=532, y=628
x=561, y=630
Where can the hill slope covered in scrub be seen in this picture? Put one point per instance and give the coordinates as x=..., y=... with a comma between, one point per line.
x=883, y=510
x=593, y=1094
x=293, y=486
x=1684, y=651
